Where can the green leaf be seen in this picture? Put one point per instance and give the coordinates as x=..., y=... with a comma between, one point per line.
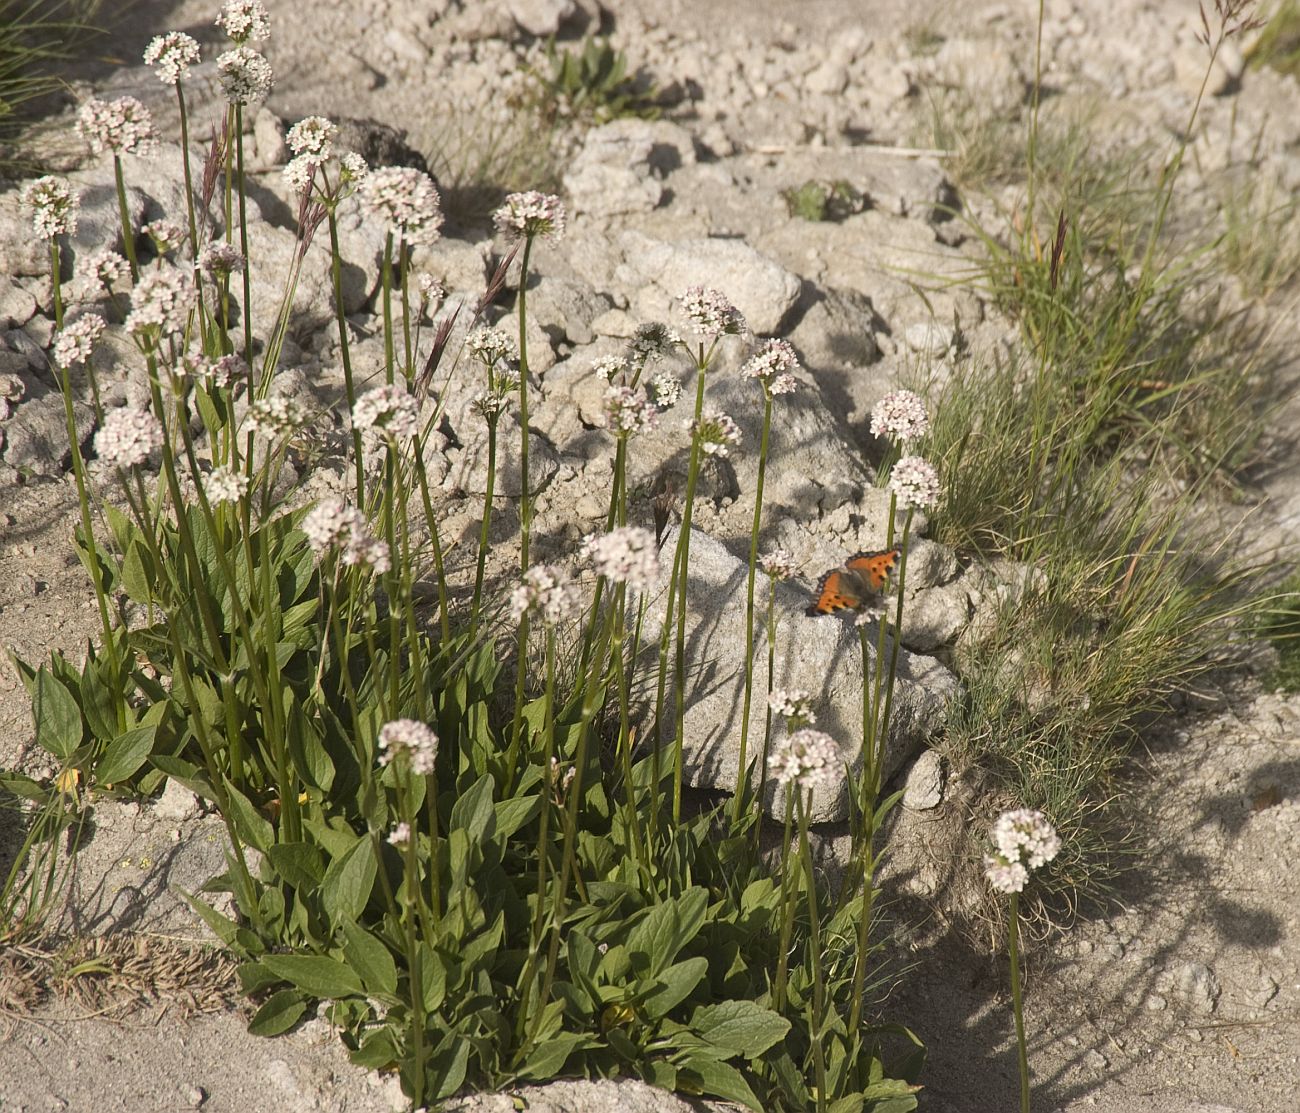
x=473, y=813
x=56, y=714
x=138, y=573
x=249, y=823
x=223, y=927
x=299, y=863
x=97, y=697
x=377, y=1051
x=714, y=1077
x=514, y=813
x=368, y=956
x=739, y=1027
x=447, y=1068
x=316, y=975
x=674, y=986
x=187, y=774
x=547, y=1059
x=851, y=1103
x=280, y=1013
x=124, y=755
x=348, y=882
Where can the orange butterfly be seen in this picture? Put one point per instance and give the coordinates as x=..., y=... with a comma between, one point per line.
x=854, y=583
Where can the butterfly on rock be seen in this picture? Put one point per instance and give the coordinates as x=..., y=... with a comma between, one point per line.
x=857, y=582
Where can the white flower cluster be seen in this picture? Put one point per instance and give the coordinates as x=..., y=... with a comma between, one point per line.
x=77, y=340
x=653, y=341
x=167, y=235
x=225, y=485
x=531, y=214
x=807, y=758
x=412, y=739
x=710, y=313
x=406, y=200
x=627, y=555
x=778, y=564
x=332, y=524
x=221, y=258
x=312, y=135
x=123, y=126
x=665, y=390
x=161, y=302
x=792, y=704
x=609, y=368
x=387, y=411
x=628, y=411
x=53, y=206
x=219, y=373
x=400, y=836
x=243, y=20
x=773, y=366
x=107, y=267
x=491, y=346
x=546, y=591
x=901, y=416
x=717, y=433
x=432, y=291
x=171, y=56
x=915, y=483
x=127, y=437
x=1023, y=840
x=245, y=75
x=277, y=416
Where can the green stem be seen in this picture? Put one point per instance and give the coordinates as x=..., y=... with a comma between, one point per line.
x=345, y=349
x=814, y=950
x=787, y=906
x=243, y=242
x=389, y=356
x=484, y=527
x=742, y=772
x=1022, y=1055
x=124, y=215
x=526, y=495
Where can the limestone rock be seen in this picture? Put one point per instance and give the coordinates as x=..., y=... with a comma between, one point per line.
x=36, y=435
x=822, y=657
x=923, y=788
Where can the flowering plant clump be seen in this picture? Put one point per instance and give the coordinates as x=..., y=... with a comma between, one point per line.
x=717, y=433
x=901, y=416
x=77, y=340
x=531, y=214
x=123, y=126
x=792, y=704
x=53, y=206
x=1023, y=840
x=915, y=483
x=626, y=555
x=388, y=411
x=772, y=365
x=161, y=302
x=406, y=200
x=806, y=758
x=710, y=313
x=548, y=592
x=245, y=75
x=243, y=20
x=128, y=437
x=171, y=56
x=411, y=739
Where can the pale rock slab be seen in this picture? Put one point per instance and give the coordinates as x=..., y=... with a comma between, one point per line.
x=821, y=656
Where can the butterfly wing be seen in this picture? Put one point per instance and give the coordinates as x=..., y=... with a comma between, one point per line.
x=874, y=568
x=838, y=590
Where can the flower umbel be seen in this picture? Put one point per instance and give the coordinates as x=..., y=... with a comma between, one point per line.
x=245, y=75
x=171, y=56
x=332, y=524
x=127, y=437
x=772, y=365
x=900, y=415
x=710, y=313
x=411, y=739
x=717, y=433
x=243, y=20
x=77, y=339
x=313, y=135
x=387, y=411
x=123, y=126
x=627, y=555
x=807, y=758
x=531, y=214
x=547, y=592
x=274, y=417
x=915, y=483
x=778, y=564
x=490, y=346
x=1023, y=840
x=161, y=302
x=792, y=704
x=406, y=200
x=628, y=411
x=225, y=485
x=53, y=206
